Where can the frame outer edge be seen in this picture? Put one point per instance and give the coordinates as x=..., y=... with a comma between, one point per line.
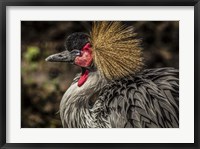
x=197, y=72
x=2, y=75
x=1, y=106
x=100, y=2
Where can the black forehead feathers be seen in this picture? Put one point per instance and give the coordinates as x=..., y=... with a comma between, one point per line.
x=76, y=41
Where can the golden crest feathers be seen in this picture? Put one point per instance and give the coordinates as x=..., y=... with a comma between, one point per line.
x=116, y=51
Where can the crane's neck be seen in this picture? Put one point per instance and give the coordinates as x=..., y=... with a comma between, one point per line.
x=75, y=107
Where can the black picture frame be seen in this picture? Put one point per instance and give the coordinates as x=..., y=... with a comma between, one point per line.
x=5, y=3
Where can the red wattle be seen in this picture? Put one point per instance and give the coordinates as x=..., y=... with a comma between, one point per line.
x=83, y=78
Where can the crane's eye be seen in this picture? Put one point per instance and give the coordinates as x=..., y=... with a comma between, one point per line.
x=75, y=52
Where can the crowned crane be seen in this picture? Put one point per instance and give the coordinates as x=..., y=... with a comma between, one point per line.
x=113, y=90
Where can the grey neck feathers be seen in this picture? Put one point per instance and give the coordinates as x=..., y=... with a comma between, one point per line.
x=75, y=110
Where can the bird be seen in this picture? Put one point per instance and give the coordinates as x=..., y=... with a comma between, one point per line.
x=114, y=90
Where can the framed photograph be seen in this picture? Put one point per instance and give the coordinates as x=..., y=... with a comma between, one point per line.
x=99, y=74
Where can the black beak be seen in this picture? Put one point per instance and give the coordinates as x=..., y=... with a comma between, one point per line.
x=64, y=56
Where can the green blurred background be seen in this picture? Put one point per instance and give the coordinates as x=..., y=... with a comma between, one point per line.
x=43, y=84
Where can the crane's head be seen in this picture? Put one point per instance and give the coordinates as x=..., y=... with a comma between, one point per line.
x=78, y=51
x=111, y=48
